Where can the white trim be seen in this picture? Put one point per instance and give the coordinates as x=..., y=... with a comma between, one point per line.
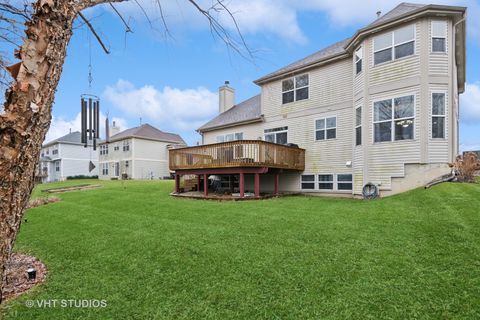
x=275, y=133
x=334, y=183
x=431, y=36
x=325, y=128
x=431, y=115
x=356, y=126
x=393, y=45
x=294, y=90
x=392, y=120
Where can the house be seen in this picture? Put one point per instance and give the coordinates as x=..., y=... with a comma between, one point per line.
x=66, y=157
x=137, y=153
x=379, y=108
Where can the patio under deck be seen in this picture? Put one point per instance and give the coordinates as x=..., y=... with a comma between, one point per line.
x=240, y=158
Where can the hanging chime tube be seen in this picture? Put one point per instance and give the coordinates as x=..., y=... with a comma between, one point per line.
x=90, y=113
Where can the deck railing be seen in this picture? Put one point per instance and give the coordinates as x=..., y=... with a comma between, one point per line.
x=240, y=153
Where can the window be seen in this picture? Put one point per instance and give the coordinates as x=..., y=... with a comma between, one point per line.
x=230, y=137
x=104, y=149
x=276, y=135
x=393, y=119
x=48, y=151
x=308, y=182
x=344, y=182
x=439, y=36
x=55, y=151
x=438, y=115
x=358, y=126
x=126, y=145
x=326, y=128
x=358, y=60
x=57, y=166
x=105, y=169
x=325, y=181
x=126, y=164
x=394, y=45
x=295, y=89
x=116, y=147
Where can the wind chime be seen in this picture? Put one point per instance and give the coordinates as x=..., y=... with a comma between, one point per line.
x=90, y=111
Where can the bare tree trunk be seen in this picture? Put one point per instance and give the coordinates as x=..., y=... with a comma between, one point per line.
x=27, y=110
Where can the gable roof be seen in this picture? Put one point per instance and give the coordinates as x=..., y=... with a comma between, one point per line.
x=146, y=131
x=342, y=48
x=401, y=9
x=71, y=138
x=244, y=112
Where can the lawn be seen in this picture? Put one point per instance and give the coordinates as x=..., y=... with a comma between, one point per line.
x=150, y=256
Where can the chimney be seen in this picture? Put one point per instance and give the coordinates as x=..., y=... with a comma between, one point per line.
x=379, y=13
x=226, y=97
x=113, y=129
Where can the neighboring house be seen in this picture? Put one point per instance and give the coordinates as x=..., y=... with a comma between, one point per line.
x=65, y=157
x=137, y=153
x=380, y=107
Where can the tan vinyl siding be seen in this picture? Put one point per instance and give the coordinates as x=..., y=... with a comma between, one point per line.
x=397, y=69
x=328, y=85
x=439, y=62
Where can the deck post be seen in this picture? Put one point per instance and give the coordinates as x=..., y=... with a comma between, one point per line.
x=277, y=178
x=177, y=182
x=257, y=185
x=205, y=185
x=242, y=185
x=199, y=183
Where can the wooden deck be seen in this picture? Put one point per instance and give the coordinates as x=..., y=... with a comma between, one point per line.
x=236, y=154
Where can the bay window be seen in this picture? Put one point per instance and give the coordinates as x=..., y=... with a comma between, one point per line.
x=358, y=60
x=438, y=115
x=439, y=36
x=394, y=45
x=393, y=119
x=358, y=126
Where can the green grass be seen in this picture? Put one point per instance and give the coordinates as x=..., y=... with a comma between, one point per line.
x=150, y=256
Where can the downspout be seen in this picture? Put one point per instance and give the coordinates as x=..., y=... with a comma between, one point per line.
x=456, y=113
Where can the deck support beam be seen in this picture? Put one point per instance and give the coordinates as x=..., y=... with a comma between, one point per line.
x=242, y=185
x=205, y=185
x=257, y=185
x=199, y=182
x=177, y=183
x=276, y=183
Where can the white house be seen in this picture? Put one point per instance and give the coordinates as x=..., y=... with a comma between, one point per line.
x=137, y=153
x=67, y=157
x=380, y=107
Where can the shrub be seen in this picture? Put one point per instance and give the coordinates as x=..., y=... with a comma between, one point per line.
x=465, y=167
x=81, y=176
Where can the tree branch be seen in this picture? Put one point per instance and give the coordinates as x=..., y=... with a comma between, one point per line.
x=94, y=33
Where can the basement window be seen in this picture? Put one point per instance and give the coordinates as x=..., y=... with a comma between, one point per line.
x=344, y=182
x=308, y=182
x=325, y=181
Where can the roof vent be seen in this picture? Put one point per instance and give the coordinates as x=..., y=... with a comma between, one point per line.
x=379, y=13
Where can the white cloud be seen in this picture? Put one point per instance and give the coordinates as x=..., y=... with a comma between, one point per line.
x=60, y=126
x=470, y=103
x=169, y=107
x=280, y=17
x=469, y=147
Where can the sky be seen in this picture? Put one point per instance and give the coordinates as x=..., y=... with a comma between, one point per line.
x=171, y=79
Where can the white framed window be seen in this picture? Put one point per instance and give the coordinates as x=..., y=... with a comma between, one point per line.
x=394, y=119
x=358, y=60
x=358, y=126
x=116, y=147
x=295, y=89
x=439, y=36
x=55, y=151
x=104, y=149
x=325, y=181
x=105, y=169
x=277, y=135
x=325, y=128
x=341, y=182
x=344, y=182
x=230, y=137
x=126, y=164
x=126, y=145
x=438, y=115
x=394, y=45
x=308, y=182
x=57, y=166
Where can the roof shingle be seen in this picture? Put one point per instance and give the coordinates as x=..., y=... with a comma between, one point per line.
x=147, y=131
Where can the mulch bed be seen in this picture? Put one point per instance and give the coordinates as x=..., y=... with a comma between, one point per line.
x=17, y=278
x=41, y=201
